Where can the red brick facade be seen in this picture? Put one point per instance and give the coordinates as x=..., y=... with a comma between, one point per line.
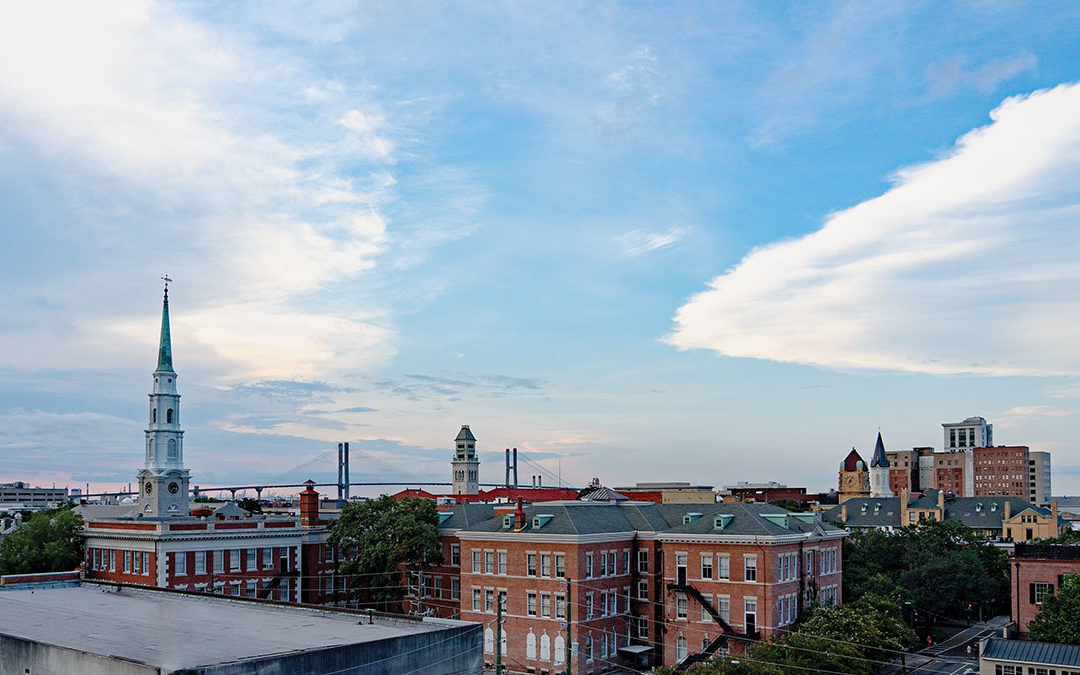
x=1037, y=571
x=1001, y=471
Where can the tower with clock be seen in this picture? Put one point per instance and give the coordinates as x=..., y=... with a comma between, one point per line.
x=163, y=480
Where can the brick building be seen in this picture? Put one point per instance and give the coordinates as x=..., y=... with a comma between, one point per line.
x=765, y=492
x=1001, y=471
x=1036, y=572
x=644, y=584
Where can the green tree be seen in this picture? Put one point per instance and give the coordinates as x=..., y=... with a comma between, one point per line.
x=1059, y=618
x=940, y=567
x=48, y=541
x=250, y=505
x=381, y=537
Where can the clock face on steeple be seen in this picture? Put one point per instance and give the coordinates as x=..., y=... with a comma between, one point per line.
x=174, y=488
x=149, y=488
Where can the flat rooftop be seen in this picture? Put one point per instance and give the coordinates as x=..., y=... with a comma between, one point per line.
x=175, y=630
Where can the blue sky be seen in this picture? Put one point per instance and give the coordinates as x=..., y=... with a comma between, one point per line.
x=707, y=242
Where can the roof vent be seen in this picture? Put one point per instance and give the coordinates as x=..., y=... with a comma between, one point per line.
x=690, y=517
x=721, y=520
x=978, y=507
x=541, y=519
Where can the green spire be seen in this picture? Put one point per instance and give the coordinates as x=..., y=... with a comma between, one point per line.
x=164, y=361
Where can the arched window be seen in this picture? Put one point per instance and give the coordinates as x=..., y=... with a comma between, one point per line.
x=149, y=449
x=172, y=448
x=545, y=647
x=168, y=416
x=530, y=646
x=489, y=641
x=153, y=415
x=560, y=650
x=680, y=648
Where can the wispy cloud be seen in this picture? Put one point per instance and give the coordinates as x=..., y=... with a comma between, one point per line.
x=638, y=242
x=967, y=265
x=953, y=75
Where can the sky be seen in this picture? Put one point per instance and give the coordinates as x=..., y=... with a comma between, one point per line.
x=707, y=242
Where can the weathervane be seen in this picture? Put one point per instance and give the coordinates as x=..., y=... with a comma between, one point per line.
x=167, y=281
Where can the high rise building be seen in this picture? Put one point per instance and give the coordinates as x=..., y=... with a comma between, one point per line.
x=962, y=438
x=1039, y=477
x=1001, y=471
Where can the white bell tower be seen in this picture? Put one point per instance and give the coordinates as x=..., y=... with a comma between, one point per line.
x=466, y=465
x=163, y=480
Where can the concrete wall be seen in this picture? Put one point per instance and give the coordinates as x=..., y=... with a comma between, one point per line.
x=24, y=656
x=455, y=649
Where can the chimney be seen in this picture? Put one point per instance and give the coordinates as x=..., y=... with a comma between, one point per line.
x=1053, y=515
x=903, y=498
x=309, y=505
x=1005, y=516
x=519, y=516
x=843, y=513
x=941, y=501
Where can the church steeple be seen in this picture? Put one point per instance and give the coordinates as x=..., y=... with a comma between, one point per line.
x=164, y=364
x=163, y=481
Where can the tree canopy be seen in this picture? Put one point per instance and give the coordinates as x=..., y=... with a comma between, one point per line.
x=942, y=568
x=857, y=638
x=48, y=541
x=250, y=505
x=1058, y=619
x=382, y=536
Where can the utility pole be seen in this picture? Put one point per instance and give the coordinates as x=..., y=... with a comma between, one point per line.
x=569, y=642
x=498, y=635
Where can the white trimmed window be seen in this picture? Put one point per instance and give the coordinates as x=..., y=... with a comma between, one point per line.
x=200, y=562
x=180, y=562
x=723, y=566
x=750, y=567
x=680, y=606
x=706, y=566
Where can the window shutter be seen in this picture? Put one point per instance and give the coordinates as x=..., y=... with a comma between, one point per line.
x=1031, y=593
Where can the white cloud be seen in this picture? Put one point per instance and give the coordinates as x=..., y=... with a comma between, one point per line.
x=190, y=135
x=1039, y=411
x=967, y=264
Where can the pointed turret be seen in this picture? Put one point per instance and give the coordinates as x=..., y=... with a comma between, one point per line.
x=879, y=471
x=165, y=345
x=879, y=458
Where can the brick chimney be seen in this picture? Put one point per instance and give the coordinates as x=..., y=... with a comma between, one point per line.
x=309, y=505
x=843, y=513
x=941, y=501
x=1054, y=515
x=519, y=516
x=1008, y=507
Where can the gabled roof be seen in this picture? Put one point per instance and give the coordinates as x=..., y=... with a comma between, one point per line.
x=603, y=494
x=465, y=434
x=879, y=458
x=852, y=461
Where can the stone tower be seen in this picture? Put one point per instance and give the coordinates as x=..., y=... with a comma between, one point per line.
x=163, y=480
x=879, y=471
x=466, y=465
x=854, y=478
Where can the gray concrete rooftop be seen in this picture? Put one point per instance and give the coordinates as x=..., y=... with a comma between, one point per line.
x=173, y=631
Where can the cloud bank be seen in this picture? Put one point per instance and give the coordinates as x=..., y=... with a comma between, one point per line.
x=966, y=265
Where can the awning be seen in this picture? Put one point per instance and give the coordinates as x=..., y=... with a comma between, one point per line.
x=635, y=649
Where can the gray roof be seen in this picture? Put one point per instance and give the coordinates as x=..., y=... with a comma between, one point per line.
x=583, y=517
x=1045, y=653
x=981, y=513
x=603, y=494
x=464, y=515
x=174, y=630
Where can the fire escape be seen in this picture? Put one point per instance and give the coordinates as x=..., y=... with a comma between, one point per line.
x=681, y=585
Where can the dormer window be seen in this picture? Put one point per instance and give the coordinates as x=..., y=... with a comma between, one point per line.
x=690, y=517
x=978, y=507
x=508, y=520
x=993, y=507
